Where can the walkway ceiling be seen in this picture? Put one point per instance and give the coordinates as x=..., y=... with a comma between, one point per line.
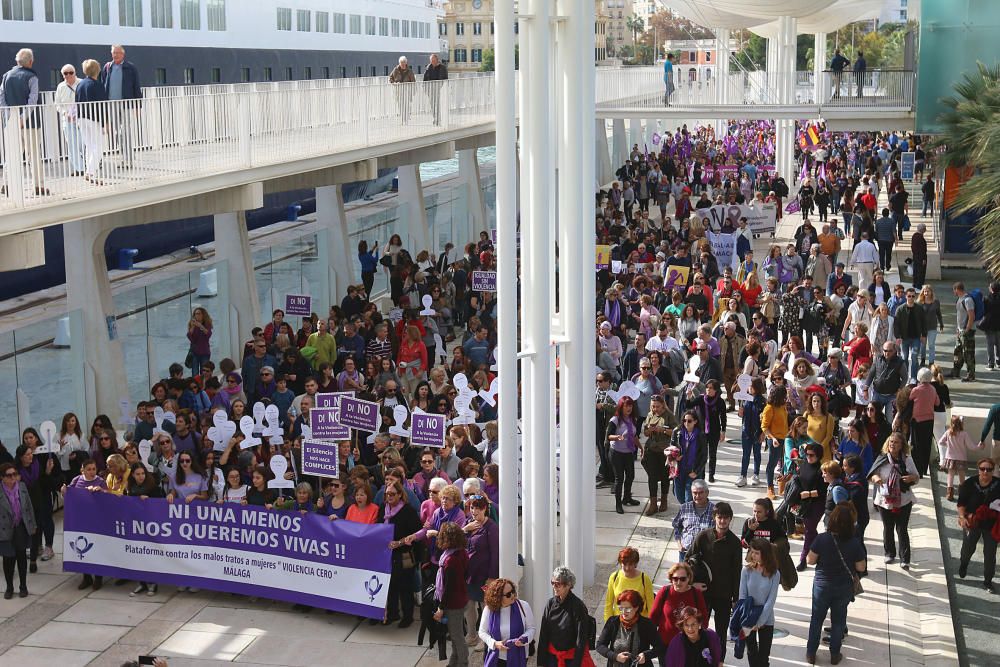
x=827, y=20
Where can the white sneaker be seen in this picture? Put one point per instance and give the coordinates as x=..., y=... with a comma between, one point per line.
x=755, y=480
x=741, y=482
x=141, y=588
x=890, y=559
x=192, y=589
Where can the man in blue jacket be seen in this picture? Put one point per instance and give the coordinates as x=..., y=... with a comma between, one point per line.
x=120, y=79
x=19, y=87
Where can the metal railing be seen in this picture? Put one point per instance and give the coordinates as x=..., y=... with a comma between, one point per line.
x=56, y=153
x=644, y=87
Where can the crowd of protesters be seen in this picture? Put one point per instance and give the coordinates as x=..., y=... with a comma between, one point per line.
x=829, y=370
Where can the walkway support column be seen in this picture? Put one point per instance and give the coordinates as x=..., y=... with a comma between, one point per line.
x=634, y=135
x=507, y=311
x=620, y=145
x=232, y=244
x=576, y=284
x=468, y=167
x=605, y=171
x=537, y=188
x=411, y=197
x=335, y=253
x=722, y=65
x=819, y=64
x=88, y=289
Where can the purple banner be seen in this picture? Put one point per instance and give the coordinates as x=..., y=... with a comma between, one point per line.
x=324, y=424
x=484, y=281
x=298, y=304
x=320, y=458
x=427, y=430
x=358, y=414
x=299, y=558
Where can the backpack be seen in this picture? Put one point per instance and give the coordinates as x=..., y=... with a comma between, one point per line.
x=980, y=303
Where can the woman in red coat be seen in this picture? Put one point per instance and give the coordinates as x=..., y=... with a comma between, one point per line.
x=670, y=600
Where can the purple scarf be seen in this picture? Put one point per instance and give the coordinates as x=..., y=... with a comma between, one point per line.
x=516, y=655
x=30, y=474
x=439, y=579
x=689, y=443
x=612, y=311
x=392, y=510
x=14, y=498
x=709, y=406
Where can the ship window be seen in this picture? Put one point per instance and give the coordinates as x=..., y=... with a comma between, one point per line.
x=369, y=25
x=339, y=23
x=216, y=75
x=413, y=28
x=359, y=71
x=395, y=27
x=322, y=21
x=383, y=27
x=355, y=24
x=303, y=20
x=162, y=13
x=130, y=13
x=19, y=10
x=59, y=11
x=374, y=70
x=55, y=77
x=326, y=72
x=244, y=75
x=188, y=75
x=307, y=72
x=216, y=14
x=190, y=14
x=284, y=18
x=406, y=28
x=95, y=12
x=267, y=74
x=343, y=72
x=288, y=74
x=387, y=70
x=160, y=76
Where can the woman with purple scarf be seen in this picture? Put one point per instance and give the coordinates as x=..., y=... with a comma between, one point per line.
x=450, y=591
x=507, y=626
x=404, y=519
x=450, y=511
x=17, y=525
x=690, y=442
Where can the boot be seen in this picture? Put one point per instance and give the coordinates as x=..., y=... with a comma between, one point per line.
x=770, y=492
x=663, y=502
x=781, y=487
x=651, y=509
x=618, y=505
x=951, y=493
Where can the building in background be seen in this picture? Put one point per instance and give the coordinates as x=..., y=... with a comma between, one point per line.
x=899, y=11
x=619, y=34
x=466, y=30
x=695, y=59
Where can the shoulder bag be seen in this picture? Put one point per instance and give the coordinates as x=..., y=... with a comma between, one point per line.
x=857, y=588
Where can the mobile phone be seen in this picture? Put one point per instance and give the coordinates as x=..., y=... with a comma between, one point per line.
x=147, y=659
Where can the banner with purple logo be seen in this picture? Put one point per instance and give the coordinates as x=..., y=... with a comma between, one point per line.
x=298, y=304
x=427, y=430
x=306, y=559
x=359, y=414
x=320, y=458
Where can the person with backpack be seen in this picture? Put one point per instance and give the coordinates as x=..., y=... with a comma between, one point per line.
x=715, y=557
x=968, y=311
x=628, y=577
x=990, y=325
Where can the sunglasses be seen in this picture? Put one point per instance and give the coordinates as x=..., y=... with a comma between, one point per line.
x=986, y=470
x=428, y=461
x=557, y=583
x=185, y=460
x=69, y=73
x=678, y=578
x=690, y=421
x=10, y=474
x=626, y=610
x=510, y=594
x=105, y=438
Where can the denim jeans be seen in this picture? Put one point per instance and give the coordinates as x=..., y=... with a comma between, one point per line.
x=910, y=352
x=775, y=458
x=682, y=488
x=885, y=401
x=928, y=205
x=833, y=598
x=992, y=348
x=927, y=351
x=750, y=445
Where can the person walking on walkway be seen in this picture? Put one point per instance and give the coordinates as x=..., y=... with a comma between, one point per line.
x=990, y=324
x=965, y=330
x=401, y=75
x=975, y=495
x=860, y=65
x=65, y=105
x=837, y=66
x=668, y=79
x=120, y=79
x=19, y=88
x=718, y=551
x=894, y=473
x=436, y=71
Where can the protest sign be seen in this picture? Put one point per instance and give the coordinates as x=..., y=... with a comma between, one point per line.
x=603, y=258
x=324, y=424
x=306, y=559
x=760, y=217
x=298, y=304
x=677, y=276
x=320, y=458
x=484, y=281
x=723, y=248
x=358, y=414
x=427, y=430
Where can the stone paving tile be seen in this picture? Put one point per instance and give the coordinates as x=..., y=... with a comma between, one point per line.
x=308, y=651
x=151, y=632
x=214, y=645
x=125, y=612
x=294, y=625
x=23, y=656
x=77, y=636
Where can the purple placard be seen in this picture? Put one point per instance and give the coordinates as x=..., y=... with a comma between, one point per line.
x=358, y=414
x=320, y=458
x=305, y=559
x=298, y=304
x=324, y=424
x=484, y=281
x=427, y=430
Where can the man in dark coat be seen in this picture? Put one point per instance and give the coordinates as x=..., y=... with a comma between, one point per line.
x=120, y=79
x=436, y=71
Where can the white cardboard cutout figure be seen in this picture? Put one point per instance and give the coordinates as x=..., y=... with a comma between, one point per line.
x=399, y=415
x=246, y=428
x=279, y=466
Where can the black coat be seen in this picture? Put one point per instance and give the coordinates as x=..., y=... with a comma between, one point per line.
x=404, y=522
x=649, y=642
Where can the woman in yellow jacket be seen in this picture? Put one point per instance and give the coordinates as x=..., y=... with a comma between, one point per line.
x=822, y=427
x=118, y=474
x=628, y=578
x=774, y=425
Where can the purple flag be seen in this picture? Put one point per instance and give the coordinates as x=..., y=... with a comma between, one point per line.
x=793, y=206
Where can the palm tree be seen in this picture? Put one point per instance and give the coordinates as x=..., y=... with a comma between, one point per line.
x=971, y=136
x=636, y=25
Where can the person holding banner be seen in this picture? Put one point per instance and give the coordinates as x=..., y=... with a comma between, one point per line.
x=450, y=591
x=17, y=528
x=404, y=519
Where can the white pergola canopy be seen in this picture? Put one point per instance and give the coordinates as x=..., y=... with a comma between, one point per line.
x=761, y=16
x=827, y=20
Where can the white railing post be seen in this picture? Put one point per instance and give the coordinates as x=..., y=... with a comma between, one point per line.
x=244, y=130
x=14, y=154
x=365, y=94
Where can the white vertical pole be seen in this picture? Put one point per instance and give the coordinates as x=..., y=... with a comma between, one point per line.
x=468, y=167
x=333, y=241
x=538, y=187
x=411, y=194
x=605, y=172
x=619, y=141
x=819, y=64
x=232, y=244
x=507, y=315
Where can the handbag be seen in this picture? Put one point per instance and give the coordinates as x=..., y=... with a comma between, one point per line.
x=406, y=560
x=189, y=359
x=856, y=587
